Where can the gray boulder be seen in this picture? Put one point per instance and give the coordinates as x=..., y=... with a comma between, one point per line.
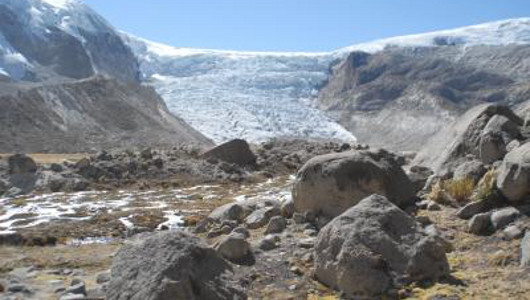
x=480, y=224
x=503, y=217
x=231, y=211
x=276, y=224
x=374, y=247
x=22, y=172
x=497, y=134
x=472, y=169
x=261, y=217
x=233, y=247
x=473, y=208
x=419, y=175
x=328, y=185
x=170, y=265
x=235, y=151
x=514, y=174
x=482, y=132
x=21, y=164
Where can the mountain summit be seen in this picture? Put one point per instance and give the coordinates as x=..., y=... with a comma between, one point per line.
x=49, y=39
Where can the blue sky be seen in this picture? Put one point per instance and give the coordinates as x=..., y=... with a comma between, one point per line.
x=295, y=25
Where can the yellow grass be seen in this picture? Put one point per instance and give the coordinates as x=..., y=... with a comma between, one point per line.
x=461, y=190
x=50, y=158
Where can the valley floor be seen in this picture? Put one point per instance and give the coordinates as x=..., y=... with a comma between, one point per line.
x=88, y=237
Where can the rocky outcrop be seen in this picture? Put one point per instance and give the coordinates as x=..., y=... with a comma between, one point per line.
x=236, y=152
x=514, y=174
x=88, y=115
x=170, y=265
x=330, y=184
x=482, y=133
x=374, y=247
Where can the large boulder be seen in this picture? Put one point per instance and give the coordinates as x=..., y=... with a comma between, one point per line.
x=330, y=184
x=513, y=177
x=235, y=151
x=21, y=164
x=375, y=247
x=482, y=132
x=22, y=172
x=170, y=265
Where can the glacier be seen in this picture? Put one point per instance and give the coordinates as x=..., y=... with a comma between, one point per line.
x=227, y=95
x=259, y=95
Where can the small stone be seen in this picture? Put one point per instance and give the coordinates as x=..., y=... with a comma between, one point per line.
x=214, y=233
x=233, y=247
x=308, y=257
x=226, y=229
x=77, y=287
x=423, y=220
x=297, y=271
x=230, y=223
x=59, y=290
x=243, y=231
x=503, y=217
x=310, y=232
x=423, y=204
x=268, y=243
x=276, y=225
x=287, y=209
x=433, y=206
x=307, y=243
x=471, y=209
x=480, y=224
x=103, y=277
x=292, y=287
x=299, y=218
x=57, y=168
x=71, y=296
x=261, y=217
x=512, y=232
x=17, y=288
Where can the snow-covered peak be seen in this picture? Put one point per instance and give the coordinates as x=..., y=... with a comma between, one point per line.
x=62, y=4
x=511, y=31
x=66, y=36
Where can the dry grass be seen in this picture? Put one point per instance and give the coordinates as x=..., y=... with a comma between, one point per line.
x=487, y=267
x=50, y=158
x=461, y=190
x=445, y=192
x=437, y=193
x=18, y=202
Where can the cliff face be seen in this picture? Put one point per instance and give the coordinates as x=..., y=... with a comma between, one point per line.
x=88, y=115
x=398, y=97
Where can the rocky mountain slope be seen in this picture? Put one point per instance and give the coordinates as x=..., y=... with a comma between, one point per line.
x=51, y=39
x=400, y=96
x=70, y=84
x=87, y=115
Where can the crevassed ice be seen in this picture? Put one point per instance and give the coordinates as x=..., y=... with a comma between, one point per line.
x=258, y=95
